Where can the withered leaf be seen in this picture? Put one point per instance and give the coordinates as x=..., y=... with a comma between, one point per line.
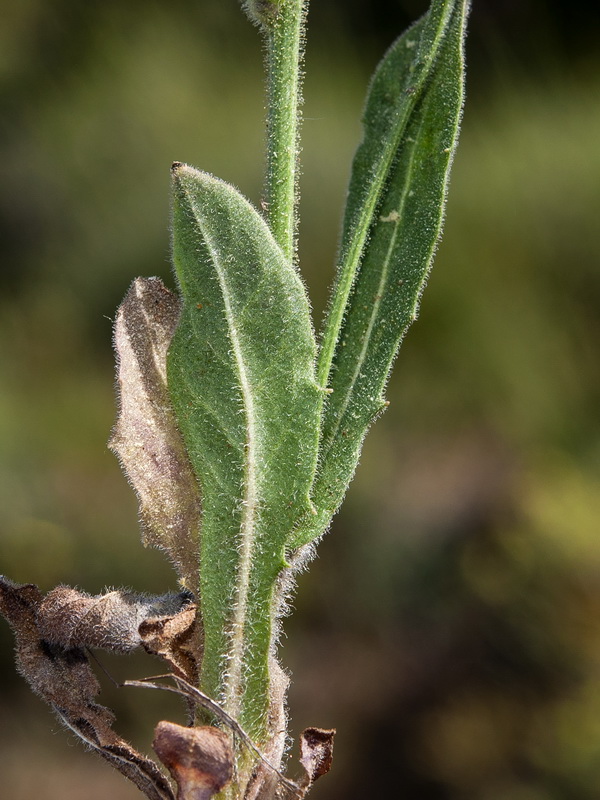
x=200, y=759
x=110, y=621
x=146, y=438
x=62, y=676
x=175, y=639
x=164, y=625
x=258, y=787
x=316, y=753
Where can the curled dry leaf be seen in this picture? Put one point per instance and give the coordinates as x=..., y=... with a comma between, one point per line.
x=174, y=638
x=200, y=759
x=164, y=625
x=316, y=753
x=62, y=676
x=280, y=787
x=110, y=621
x=146, y=438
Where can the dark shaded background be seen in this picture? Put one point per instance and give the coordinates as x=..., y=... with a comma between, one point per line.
x=450, y=628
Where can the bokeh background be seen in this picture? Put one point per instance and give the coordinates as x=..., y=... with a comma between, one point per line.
x=450, y=627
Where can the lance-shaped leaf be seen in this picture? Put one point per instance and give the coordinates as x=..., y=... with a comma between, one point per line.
x=145, y=437
x=241, y=377
x=392, y=224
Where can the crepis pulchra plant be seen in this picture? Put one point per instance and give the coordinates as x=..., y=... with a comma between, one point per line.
x=239, y=433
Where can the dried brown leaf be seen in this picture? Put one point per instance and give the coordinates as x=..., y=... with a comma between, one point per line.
x=146, y=438
x=175, y=639
x=280, y=787
x=200, y=759
x=62, y=676
x=316, y=753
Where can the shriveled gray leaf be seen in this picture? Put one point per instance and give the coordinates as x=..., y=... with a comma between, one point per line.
x=146, y=438
x=121, y=621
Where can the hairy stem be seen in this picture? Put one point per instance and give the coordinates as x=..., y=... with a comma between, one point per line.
x=285, y=43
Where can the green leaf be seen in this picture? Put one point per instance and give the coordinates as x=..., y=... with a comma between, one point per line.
x=392, y=223
x=241, y=377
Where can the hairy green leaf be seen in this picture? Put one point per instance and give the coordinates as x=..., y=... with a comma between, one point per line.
x=392, y=223
x=241, y=377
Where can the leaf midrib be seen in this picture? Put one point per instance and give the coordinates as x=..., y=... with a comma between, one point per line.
x=233, y=678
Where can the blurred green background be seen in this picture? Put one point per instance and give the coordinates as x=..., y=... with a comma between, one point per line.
x=450, y=628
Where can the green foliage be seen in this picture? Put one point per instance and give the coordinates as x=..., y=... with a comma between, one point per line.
x=242, y=362
x=225, y=401
x=241, y=375
x=392, y=223
x=486, y=361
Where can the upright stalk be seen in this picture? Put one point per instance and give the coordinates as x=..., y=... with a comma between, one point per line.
x=284, y=32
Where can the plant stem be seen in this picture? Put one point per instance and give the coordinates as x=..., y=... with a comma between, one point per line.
x=285, y=43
